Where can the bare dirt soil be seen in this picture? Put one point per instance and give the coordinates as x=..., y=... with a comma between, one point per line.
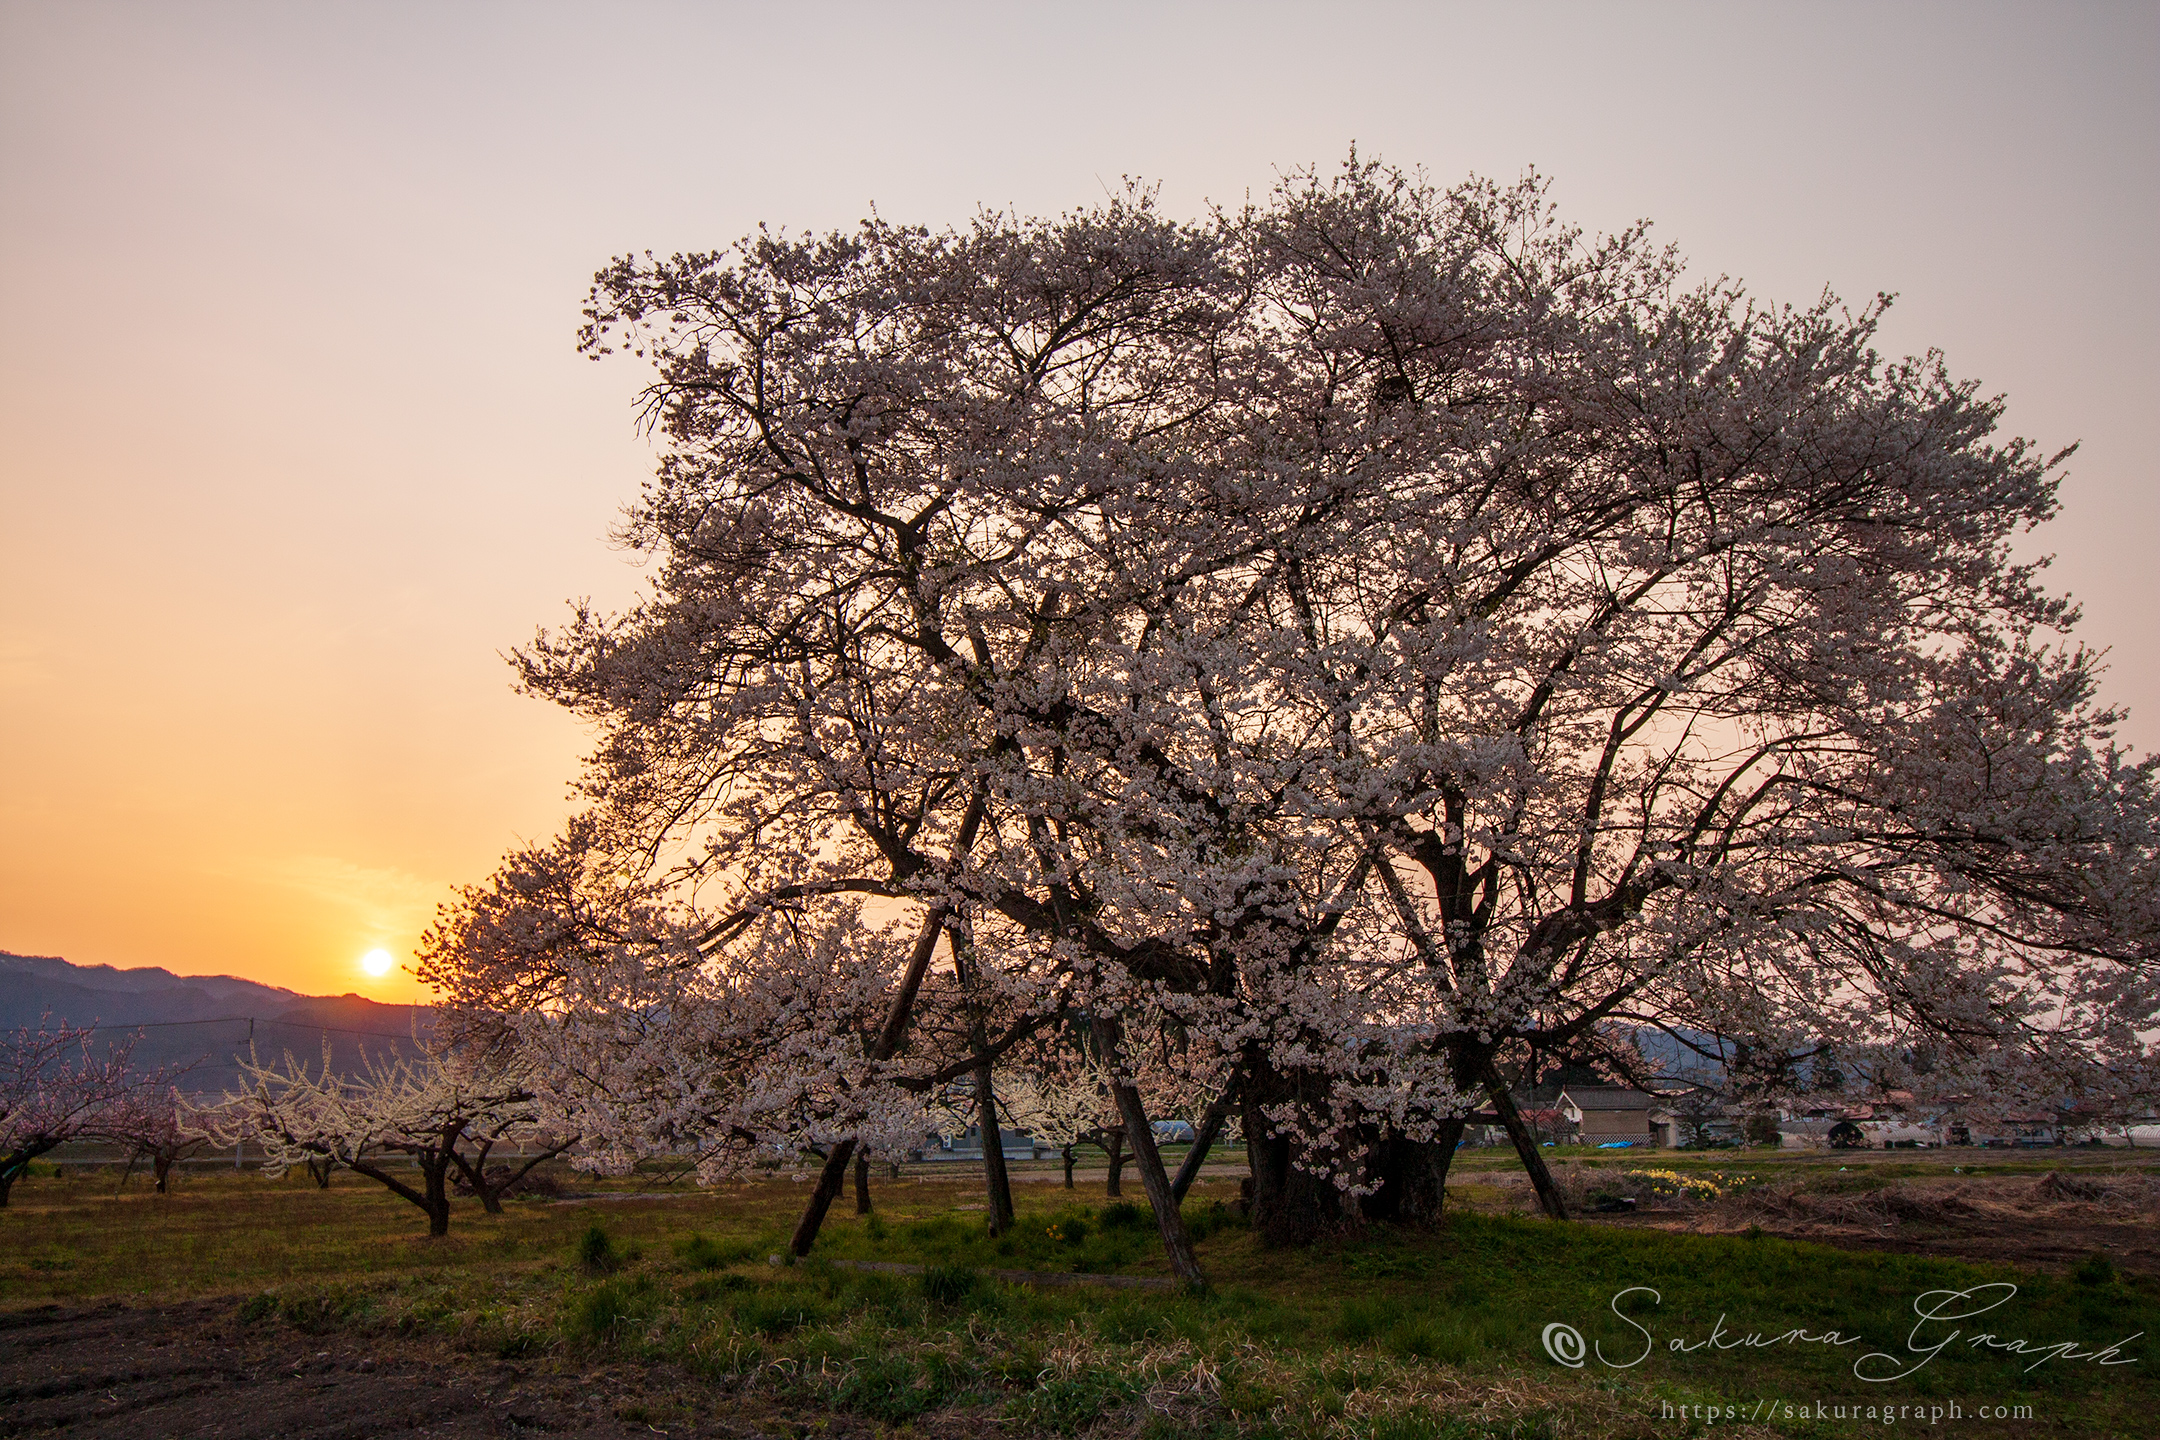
x=2051, y=1222
x=195, y=1370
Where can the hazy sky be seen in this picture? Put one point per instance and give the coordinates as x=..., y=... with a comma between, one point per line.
x=296, y=439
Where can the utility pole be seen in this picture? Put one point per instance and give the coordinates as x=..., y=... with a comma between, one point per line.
x=241, y=1144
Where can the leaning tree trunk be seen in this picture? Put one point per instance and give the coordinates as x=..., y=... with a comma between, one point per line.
x=829, y=1183
x=1526, y=1145
x=888, y=1041
x=1177, y=1244
x=491, y=1191
x=834, y=1174
x=15, y=1164
x=433, y=1196
x=475, y=1173
x=1211, y=1124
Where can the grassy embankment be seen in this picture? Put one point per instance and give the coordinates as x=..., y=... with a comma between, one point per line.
x=1383, y=1336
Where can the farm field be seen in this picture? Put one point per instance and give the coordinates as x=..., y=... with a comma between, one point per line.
x=240, y=1305
x=1994, y=1205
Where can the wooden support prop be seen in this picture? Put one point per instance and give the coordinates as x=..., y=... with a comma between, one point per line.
x=1177, y=1244
x=1211, y=1125
x=1526, y=1145
x=834, y=1176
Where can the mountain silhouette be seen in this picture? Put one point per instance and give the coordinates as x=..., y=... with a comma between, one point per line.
x=202, y=1024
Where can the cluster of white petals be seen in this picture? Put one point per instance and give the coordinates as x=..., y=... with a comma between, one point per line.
x=1361, y=643
x=445, y=1109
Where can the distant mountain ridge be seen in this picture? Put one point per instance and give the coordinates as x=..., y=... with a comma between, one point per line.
x=84, y=993
x=202, y=1022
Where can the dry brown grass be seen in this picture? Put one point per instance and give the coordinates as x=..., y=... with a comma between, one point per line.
x=2054, y=1197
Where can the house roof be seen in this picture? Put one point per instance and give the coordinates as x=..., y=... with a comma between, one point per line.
x=1607, y=1097
x=1526, y=1101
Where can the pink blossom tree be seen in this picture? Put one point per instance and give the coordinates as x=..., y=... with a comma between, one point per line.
x=54, y=1089
x=158, y=1125
x=1380, y=634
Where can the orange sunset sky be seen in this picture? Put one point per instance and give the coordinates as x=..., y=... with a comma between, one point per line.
x=294, y=440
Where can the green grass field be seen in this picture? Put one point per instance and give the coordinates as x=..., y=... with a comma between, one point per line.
x=1384, y=1335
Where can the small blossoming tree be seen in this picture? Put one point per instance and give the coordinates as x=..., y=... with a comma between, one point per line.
x=159, y=1126
x=54, y=1089
x=1063, y=1107
x=445, y=1114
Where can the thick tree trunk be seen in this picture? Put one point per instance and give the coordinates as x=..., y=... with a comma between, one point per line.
x=1413, y=1177
x=995, y=1180
x=1287, y=1206
x=830, y=1181
x=14, y=1165
x=160, y=1167
x=1067, y=1153
x=862, y=1183
x=1526, y=1145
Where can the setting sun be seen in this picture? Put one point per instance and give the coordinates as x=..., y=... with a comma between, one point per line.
x=376, y=962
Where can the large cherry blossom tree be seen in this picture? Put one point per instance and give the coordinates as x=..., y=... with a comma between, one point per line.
x=1377, y=634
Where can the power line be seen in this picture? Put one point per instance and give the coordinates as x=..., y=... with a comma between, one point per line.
x=243, y=1020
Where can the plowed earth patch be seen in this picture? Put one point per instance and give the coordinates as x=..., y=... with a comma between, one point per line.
x=195, y=1370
